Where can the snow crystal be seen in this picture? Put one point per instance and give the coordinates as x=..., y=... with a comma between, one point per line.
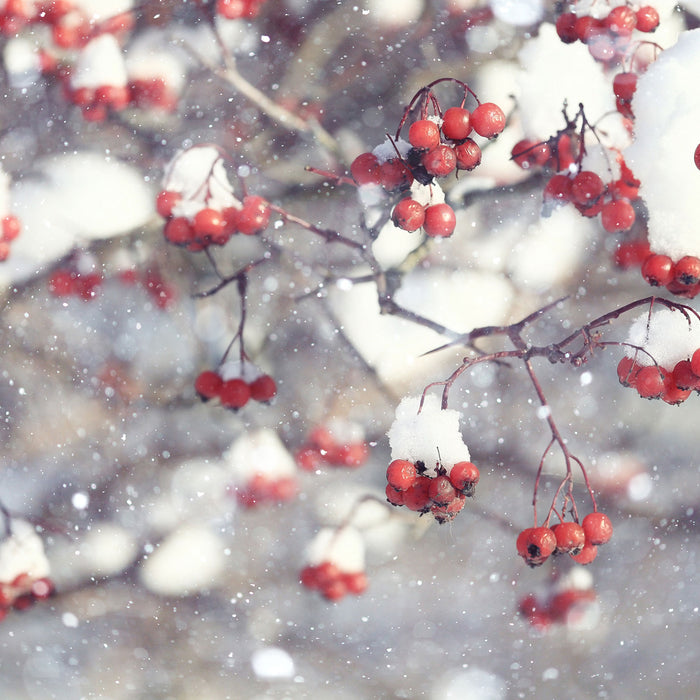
x=259, y=452
x=431, y=436
x=343, y=547
x=666, y=135
x=272, y=662
x=188, y=561
x=100, y=63
x=22, y=553
x=666, y=336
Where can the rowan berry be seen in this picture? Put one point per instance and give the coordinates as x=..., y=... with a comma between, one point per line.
x=617, y=215
x=178, y=231
x=396, y=498
x=441, y=491
x=631, y=253
x=535, y=544
x=208, y=384
x=695, y=362
x=208, y=223
x=309, y=458
x=11, y=228
x=649, y=382
x=657, y=270
x=263, y=388
x=627, y=370
x=456, y=123
x=566, y=27
x=587, y=554
x=621, y=20
x=684, y=378
x=440, y=221
x=625, y=85
x=647, y=18
x=488, y=120
x=165, y=201
x=424, y=135
x=673, y=394
x=394, y=175
x=408, y=214
x=586, y=187
x=464, y=476
x=446, y=513
x=528, y=153
x=401, y=474
x=62, y=283
x=365, y=169
x=351, y=455
x=234, y=393
x=254, y=215
x=696, y=157
x=687, y=270
x=558, y=189
x=355, y=582
x=416, y=496
x=468, y=155
x=439, y=161
x=597, y=527
x=588, y=27
x=570, y=537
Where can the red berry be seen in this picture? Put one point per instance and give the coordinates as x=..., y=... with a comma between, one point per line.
x=456, y=123
x=424, y=134
x=588, y=27
x=649, y=382
x=165, y=201
x=355, y=582
x=234, y=394
x=440, y=221
x=631, y=253
x=647, y=18
x=254, y=215
x=439, y=161
x=673, y=394
x=597, y=527
x=416, y=496
x=394, y=174
x=684, y=378
x=441, y=491
x=528, y=153
x=627, y=370
x=566, y=27
x=558, y=189
x=447, y=512
x=570, y=537
x=695, y=362
x=617, y=215
x=464, y=476
x=586, y=555
x=393, y=496
x=178, y=231
x=401, y=474
x=621, y=20
x=352, y=455
x=488, y=120
x=696, y=156
x=116, y=97
x=208, y=384
x=657, y=270
x=11, y=228
x=365, y=169
x=309, y=458
x=687, y=270
x=208, y=223
x=625, y=85
x=408, y=214
x=586, y=187
x=468, y=155
x=263, y=388
x=535, y=544
x=308, y=577
x=327, y=573
x=62, y=283
x=4, y=250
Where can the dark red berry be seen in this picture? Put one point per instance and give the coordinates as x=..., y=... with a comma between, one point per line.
x=408, y=214
x=468, y=155
x=456, y=123
x=488, y=120
x=657, y=270
x=424, y=134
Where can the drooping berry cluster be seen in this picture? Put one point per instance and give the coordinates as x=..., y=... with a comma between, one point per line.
x=337, y=444
x=607, y=34
x=336, y=563
x=199, y=203
x=442, y=495
x=681, y=277
x=438, y=145
x=580, y=541
x=234, y=384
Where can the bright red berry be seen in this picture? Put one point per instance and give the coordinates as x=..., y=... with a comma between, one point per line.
x=365, y=169
x=631, y=253
x=401, y=474
x=657, y=270
x=647, y=19
x=234, y=394
x=570, y=537
x=408, y=214
x=627, y=370
x=424, y=134
x=11, y=228
x=558, y=189
x=440, y=221
x=535, y=544
x=208, y=223
x=416, y=496
x=488, y=120
x=672, y=393
x=254, y=215
x=439, y=161
x=696, y=156
x=586, y=187
x=468, y=155
x=62, y=283
x=527, y=153
x=687, y=270
x=464, y=476
x=621, y=20
x=263, y=388
x=178, y=231
x=649, y=382
x=566, y=27
x=456, y=123
x=695, y=362
x=588, y=27
x=441, y=491
x=617, y=215
x=597, y=527
x=165, y=201
x=394, y=174
x=393, y=496
x=208, y=384
x=586, y=555
x=625, y=85
x=684, y=378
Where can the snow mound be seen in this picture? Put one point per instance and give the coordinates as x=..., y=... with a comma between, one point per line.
x=666, y=335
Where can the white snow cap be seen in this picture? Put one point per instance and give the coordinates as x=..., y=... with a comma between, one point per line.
x=666, y=335
x=22, y=553
x=387, y=150
x=431, y=436
x=100, y=63
x=667, y=114
x=343, y=547
x=260, y=452
x=518, y=12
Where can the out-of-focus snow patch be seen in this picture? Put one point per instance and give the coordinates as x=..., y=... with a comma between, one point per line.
x=394, y=13
x=76, y=197
x=518, y=12
x=272, y=663
x=99, y=10
x=343, y=547
x=188, y=561
x=666, y=135
x=259, y=452
x=459, y=300
x=22, y=553
x=106, y=550
x=21, y=61
x=666, y=336
x=100, y=63
x=470, y=684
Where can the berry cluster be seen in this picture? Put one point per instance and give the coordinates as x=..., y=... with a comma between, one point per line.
x=580, y=541
x=10, y=228
x=228, y=385
x=443, y=495
x=162, y=293
x=335, y=564
x=70, y=282
x=566, y=602
x=238, y=9
x=22, y=592
x=607, y=36
x=438, y=145
x=199, y=204
x=263, y=488
x=681, y=277
x=338, y=444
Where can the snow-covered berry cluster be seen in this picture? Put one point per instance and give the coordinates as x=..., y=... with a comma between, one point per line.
x=579, y=540
x=438, y=145
x=24, y=569
x=335, y=563
x=234, y=383
x=430, y=471
x=567, y=601
x=199, y=203
x=263, y=469
x=662, y=358
x=606, y=30
x=338, y=443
